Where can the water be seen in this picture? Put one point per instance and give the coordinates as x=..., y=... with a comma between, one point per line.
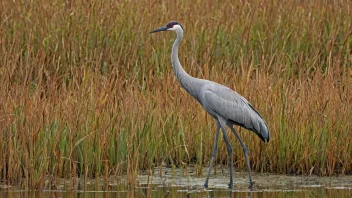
x=182, y=183
x=181, y=192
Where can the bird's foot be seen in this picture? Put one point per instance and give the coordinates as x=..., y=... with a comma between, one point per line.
x=206, y=185
x=251, y=186
x=230, y=185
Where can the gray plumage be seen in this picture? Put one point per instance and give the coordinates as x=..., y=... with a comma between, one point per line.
x=226, y=106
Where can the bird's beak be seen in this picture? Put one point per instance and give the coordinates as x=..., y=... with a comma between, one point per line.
x=159, y=30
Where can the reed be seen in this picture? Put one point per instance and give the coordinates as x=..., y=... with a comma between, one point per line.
x=86, y=91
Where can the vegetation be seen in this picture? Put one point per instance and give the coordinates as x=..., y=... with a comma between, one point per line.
x=85, y=90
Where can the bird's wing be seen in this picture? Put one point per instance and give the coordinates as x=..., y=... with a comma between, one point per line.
x=235, y=108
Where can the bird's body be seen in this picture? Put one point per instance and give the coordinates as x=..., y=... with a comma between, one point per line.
x=226, y=106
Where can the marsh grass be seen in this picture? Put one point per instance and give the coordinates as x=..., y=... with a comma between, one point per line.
x=86, y=91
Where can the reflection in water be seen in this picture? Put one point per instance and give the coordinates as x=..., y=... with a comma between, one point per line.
x=156, y=191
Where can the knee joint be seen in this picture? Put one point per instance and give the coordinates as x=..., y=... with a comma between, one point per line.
x=229, y=149
x=245, y=150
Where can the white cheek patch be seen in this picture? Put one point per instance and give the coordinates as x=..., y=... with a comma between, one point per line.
x=175, y=27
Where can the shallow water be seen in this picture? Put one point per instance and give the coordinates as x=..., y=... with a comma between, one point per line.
x=181, y=192
x=182, y=183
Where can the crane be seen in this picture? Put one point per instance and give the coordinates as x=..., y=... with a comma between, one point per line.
x=226, y=106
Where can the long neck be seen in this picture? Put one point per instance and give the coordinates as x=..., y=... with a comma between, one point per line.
x=178, y=70
x=189, y=83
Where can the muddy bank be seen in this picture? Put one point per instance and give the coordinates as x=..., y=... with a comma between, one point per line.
x=220, y=180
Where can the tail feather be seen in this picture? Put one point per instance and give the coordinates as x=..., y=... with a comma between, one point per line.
x=263, y=131
x=261, y=128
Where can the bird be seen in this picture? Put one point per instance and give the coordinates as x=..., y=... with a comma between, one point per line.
x=227, y=107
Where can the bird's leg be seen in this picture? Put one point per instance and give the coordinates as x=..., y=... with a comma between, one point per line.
x=213, y=153
x=222, y=123
x=245, y=150
x=229, y=150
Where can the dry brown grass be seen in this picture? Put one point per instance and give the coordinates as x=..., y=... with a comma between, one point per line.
x=86, y=91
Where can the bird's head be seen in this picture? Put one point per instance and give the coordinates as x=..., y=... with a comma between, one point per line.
x=172, y=25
